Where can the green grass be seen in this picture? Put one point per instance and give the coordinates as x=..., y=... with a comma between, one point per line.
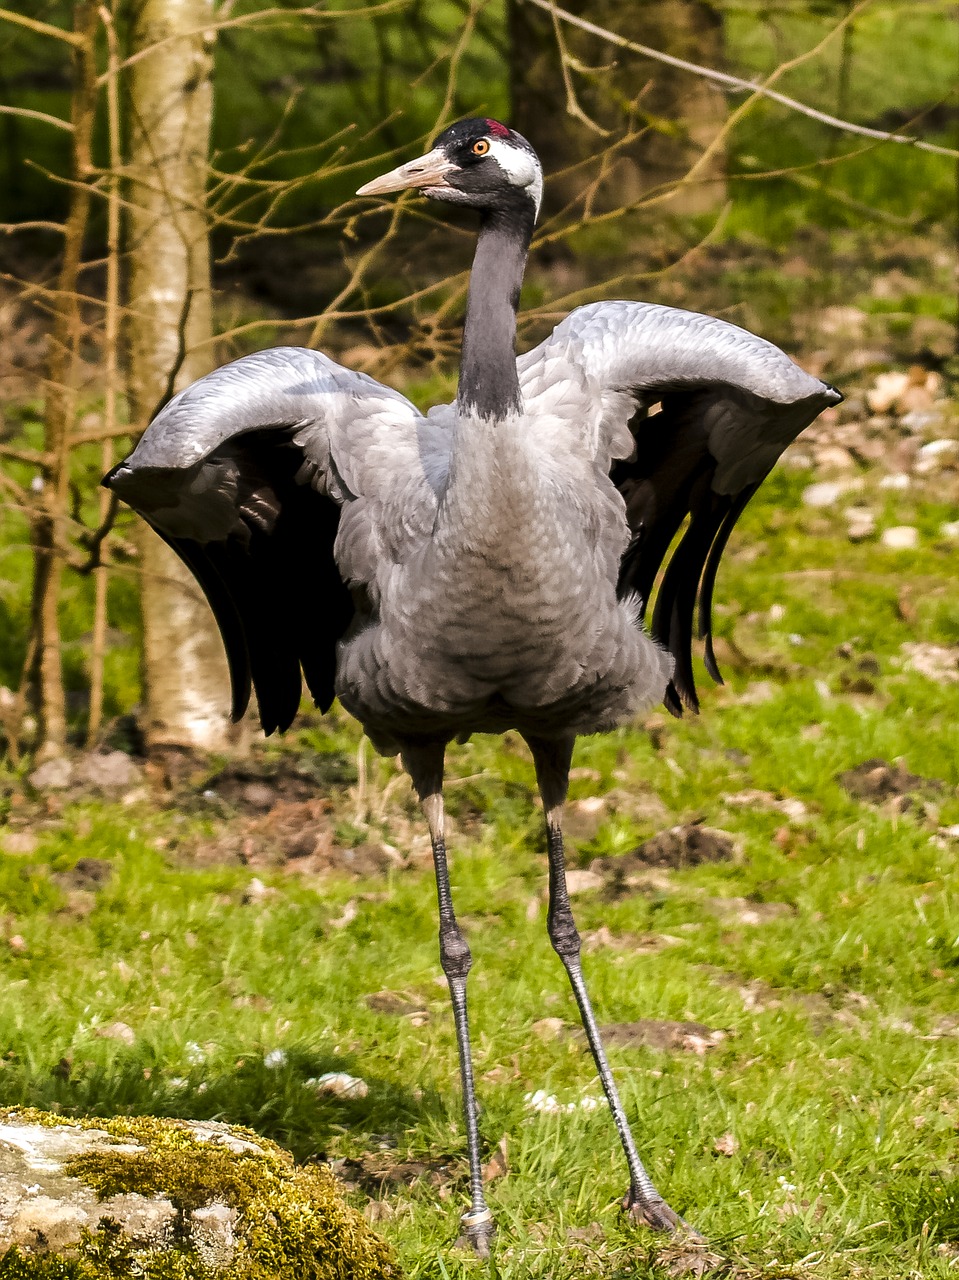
x=836, y=1079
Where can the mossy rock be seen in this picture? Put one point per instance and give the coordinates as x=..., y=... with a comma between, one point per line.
x=170, y=1200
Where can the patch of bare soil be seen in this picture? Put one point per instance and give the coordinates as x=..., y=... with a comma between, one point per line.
x=87, y=873
x=378, y=1171
x=256, y=790
x=603, y=939
x=683, y=846
x=746, y=911
x=877, y=780
x=299, y=836
x=685, y=1257
x=663, y=1034
x=398, y=1005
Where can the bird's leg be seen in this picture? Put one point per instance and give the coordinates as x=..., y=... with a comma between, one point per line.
x=425, y=766
x=552, y=759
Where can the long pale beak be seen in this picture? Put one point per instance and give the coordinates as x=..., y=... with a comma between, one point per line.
x=427, y=171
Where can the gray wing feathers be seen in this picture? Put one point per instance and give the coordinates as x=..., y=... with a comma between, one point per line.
x=283, y=386
x=730, y=403
x=280, y=480
x=646, y=347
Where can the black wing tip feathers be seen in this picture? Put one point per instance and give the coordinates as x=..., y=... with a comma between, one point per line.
x=115, y=473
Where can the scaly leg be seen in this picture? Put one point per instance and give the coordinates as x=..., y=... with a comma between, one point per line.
x=552, y=759
x=425, y=766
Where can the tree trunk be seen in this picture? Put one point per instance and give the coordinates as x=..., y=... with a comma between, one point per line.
x=619, y=91
x=186, y=684
x=49, y=523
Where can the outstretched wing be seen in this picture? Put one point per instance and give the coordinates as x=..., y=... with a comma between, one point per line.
x=245, y=474
x=730, y=403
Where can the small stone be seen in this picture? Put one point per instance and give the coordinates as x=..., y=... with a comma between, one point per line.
x=934, y=661
x=19, y=842
x=579, y=881
x=901, y=537
x=898, y=480
x=836, y=457
x=950, y=529
x=826, y=493
x=17, y=944
x=340, y=1085
x=886, y=390
x=53, y=775
x=258, y=795
x=108, y=771
x=862, y=523
x=256, y=892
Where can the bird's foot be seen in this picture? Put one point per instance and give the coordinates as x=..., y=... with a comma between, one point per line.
x=478, y=1229
x=654, y=1212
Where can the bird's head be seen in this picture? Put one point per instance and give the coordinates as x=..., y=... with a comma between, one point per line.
x=475, y=162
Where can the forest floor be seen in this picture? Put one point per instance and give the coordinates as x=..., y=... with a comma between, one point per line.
x=768, y=895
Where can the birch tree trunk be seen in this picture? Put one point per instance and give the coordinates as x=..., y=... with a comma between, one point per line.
x=186, y=685
x=617, y=90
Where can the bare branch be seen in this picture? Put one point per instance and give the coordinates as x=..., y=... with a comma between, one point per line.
x=41, y=28
x=42, y=116
x=277, y=16
x=738, y=85
x=32, y=457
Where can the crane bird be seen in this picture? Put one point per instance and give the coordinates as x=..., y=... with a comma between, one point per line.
x=486, y=566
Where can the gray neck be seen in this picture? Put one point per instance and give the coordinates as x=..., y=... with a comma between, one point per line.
x=488, y=383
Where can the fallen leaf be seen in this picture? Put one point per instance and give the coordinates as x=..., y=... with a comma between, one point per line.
x=497, y=1166
x=548, y=1028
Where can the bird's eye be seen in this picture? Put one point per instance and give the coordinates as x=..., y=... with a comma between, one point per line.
x=481, y=147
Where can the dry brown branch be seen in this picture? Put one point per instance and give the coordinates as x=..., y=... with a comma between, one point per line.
x=111, y=342
x=66, y=336
x=12, y=228
x=752, y=87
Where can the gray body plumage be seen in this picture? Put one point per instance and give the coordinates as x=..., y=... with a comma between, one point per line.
x=484, y=554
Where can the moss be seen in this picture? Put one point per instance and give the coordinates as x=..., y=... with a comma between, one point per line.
x=15, y=1265
x=292, y=1223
